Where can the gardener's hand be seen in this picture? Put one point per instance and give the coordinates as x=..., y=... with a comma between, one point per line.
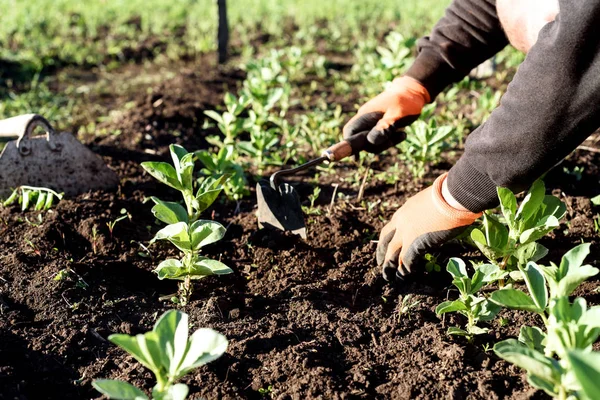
x=424, y=222
x=383, y=116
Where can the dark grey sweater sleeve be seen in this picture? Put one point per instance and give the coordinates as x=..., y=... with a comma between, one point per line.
x=468, y=34
x=550, y=107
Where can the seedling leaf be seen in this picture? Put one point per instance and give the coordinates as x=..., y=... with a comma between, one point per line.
x=169, y=212
x=532, y=337
x=586, y=367
x=536, y=283
x=514, y=299
x=450, y=306
x=118, y=390
x=164, y=173
x=205, y=232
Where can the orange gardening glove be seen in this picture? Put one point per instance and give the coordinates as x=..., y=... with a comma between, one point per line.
x=383, y=116
x=424, y=222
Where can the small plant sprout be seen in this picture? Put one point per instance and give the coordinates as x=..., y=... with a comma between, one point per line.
x=312, y=210
x=228, y=122
x=406, y=305
x=185, y=230
x=514, y=244
x=169, y=353
x=432, y=265
x=569, y=326
x=473, y=306
x=223, y=163
x=424, y=144
x=111, y=224
x=36, y=197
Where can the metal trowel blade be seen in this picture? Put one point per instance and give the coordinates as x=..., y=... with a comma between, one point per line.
x=279, y=207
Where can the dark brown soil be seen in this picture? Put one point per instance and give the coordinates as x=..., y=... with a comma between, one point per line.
x=305, y=319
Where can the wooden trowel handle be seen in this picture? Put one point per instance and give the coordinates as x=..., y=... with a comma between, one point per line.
x=346, y=148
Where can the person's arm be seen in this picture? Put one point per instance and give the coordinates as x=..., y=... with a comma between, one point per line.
x=467, y=35
x=549, y=108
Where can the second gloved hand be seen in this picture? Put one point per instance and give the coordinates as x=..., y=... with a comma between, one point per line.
x=423, y=223
x=384, y=115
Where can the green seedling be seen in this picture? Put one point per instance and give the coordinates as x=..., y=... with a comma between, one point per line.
x=569, y=326
x=111, y=224
x=185, y=230
x=424, y=144
x=547, y=282
x=229, y=123
x=432, y=265
x=169, y=353
x=407, y=304
x=475, y=307
x=223, y=163
x=36, y=197
x=261, y=143
x=312, y=210
x=513, y=243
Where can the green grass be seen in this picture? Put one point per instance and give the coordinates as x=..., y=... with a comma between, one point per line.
x=45, y=33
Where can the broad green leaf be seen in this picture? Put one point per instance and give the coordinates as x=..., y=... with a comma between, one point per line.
x=214, y=115
x=178, y=391
x=176, y=234
x=486, y=310
x=169, y=212
x=532, y=337
x=480, y=241
x=118, y=390
x=484, y=275
x=172, y=331
x=534, y=362
x=595, y=200
x=508, y=205
x=170, y=269
x=463, y=285
x=542, y=227
x=491, y=272
x=185, y=172
x=208, y=192
x=204, y=232
x=569, y=283
x=536, y=283
x=215, y=267
x=573, y=259
x=515, y=300
x=248, y=148
x=552, y=205
x=450, y=306
x=496, y=234
x=131, y=345
x=542, y=384
x=586, y=367
x=532, y=201
x=453, y=330
x=206, y=345
x=457, y=268
x=163, y=172
x=476, y=330
x=530, y=252
x=174, y=269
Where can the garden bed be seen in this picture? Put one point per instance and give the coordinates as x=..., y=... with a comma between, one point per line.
x=305, y=319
